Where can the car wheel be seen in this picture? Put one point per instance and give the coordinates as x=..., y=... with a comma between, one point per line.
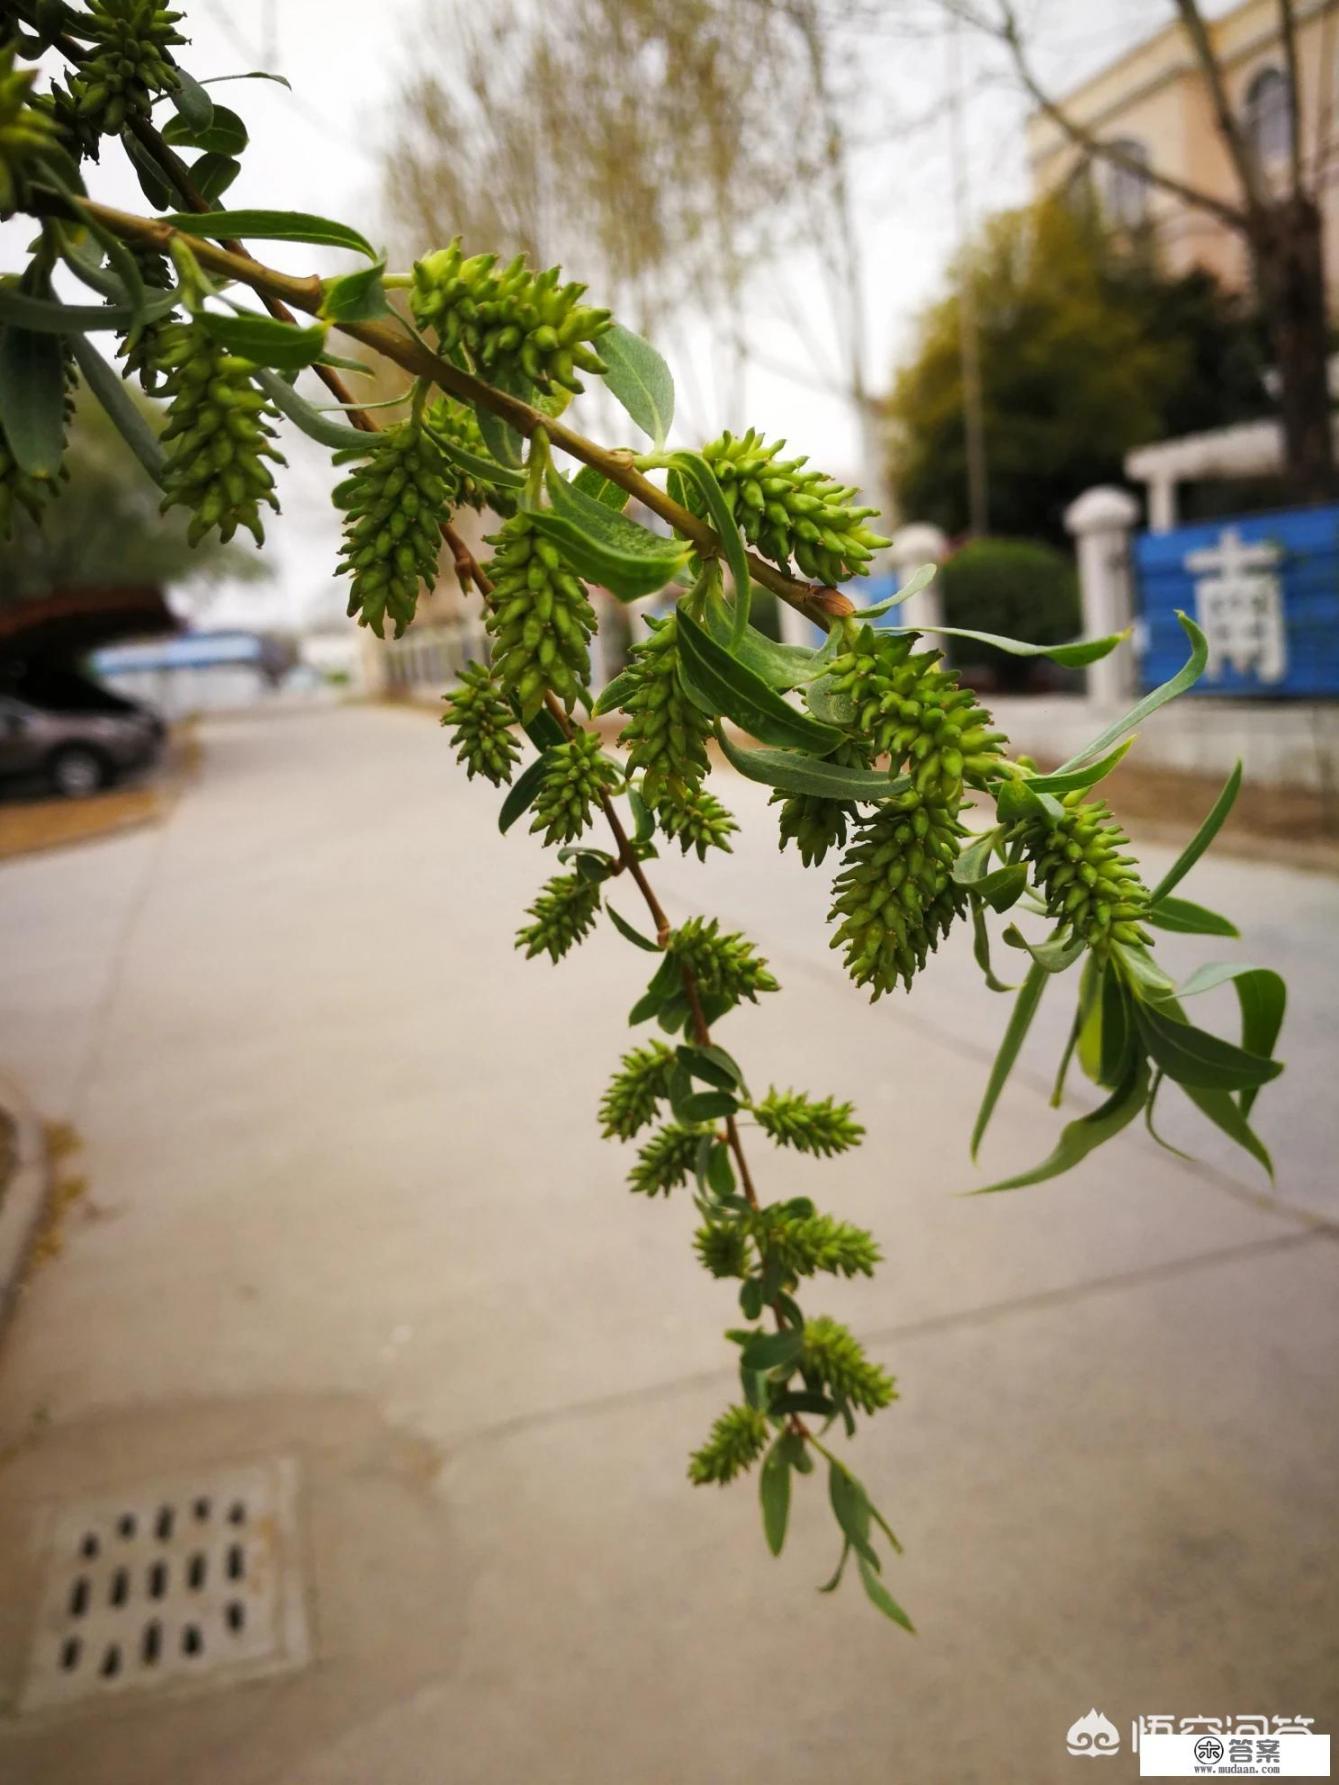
x=76, y=772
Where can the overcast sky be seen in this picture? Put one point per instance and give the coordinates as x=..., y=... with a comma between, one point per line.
x=317, y=149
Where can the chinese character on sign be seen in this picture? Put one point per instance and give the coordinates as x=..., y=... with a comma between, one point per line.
x=1239, y=606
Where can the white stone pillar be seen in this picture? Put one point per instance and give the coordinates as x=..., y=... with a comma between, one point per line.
x=913, y=545
x=1101, y=521
x=1161, y=504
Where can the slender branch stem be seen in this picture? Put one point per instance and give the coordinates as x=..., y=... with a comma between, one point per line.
x=1241, y=152
x=281, y=289
x=394, y=341
x=469, y=565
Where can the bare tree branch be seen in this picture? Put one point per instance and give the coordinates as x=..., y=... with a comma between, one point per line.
x=1324, y=108
x=1009, y=33
x=1229, y=126
x=1288, y=28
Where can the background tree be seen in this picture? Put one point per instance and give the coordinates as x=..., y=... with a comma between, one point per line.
x=676, y=148
x=111, y=533
x=1176, y=355
x=1279, y=221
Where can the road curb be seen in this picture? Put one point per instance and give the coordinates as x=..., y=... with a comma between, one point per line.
x=26, y=1198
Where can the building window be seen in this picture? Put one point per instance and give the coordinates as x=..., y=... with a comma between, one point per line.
x=1125, y=188
x=1269, y=116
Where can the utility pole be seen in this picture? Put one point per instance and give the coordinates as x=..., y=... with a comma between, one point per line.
x=969, y=340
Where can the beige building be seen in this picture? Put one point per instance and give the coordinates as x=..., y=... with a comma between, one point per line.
x=1155, y=103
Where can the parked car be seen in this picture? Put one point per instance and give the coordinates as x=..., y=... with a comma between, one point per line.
x=75, y=735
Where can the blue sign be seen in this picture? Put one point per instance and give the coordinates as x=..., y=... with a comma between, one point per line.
x=1265, y=590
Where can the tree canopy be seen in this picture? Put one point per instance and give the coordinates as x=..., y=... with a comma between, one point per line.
x=1087, y=350
x=111, y=532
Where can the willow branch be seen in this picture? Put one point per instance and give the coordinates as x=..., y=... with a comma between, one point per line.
x=396, y=342
x=177, y=174
x=470, y=566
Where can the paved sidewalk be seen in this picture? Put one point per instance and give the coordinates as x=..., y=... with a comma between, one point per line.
x=348, y=1202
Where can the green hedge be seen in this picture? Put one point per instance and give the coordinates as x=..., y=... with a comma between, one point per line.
x=1012, y=586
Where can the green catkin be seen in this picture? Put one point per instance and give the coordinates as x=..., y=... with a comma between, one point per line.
x=726, y=967
x=816, y=825
x=838, y=1360
x=27, y=131
x=576, y=775
x=508, y=319
x=1084, y=873
x=394, y=501
x=666, y=735
x=895, y=895
x=722, y=1248
x=453, y=424
x=666, y=1160
x=217, y=437
x=801, y=1244
x=129, y=62
x=696, y=820
x=539, y=619
x=480, y=722
x=737, y=1440
x=788, y=512
x=564, y=914
x=793, y=1120
x=636, y=1091
x=142, y=358
x=910, y=708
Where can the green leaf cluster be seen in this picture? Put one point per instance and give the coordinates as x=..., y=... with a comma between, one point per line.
x=1130, y=1033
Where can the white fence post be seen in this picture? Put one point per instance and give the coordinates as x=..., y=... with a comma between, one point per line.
x=1101, y=521
x=913, y=545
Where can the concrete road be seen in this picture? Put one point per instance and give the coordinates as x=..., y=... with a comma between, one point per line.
x=348, y=1204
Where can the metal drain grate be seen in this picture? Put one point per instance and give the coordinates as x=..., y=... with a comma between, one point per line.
x=182, y=1580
